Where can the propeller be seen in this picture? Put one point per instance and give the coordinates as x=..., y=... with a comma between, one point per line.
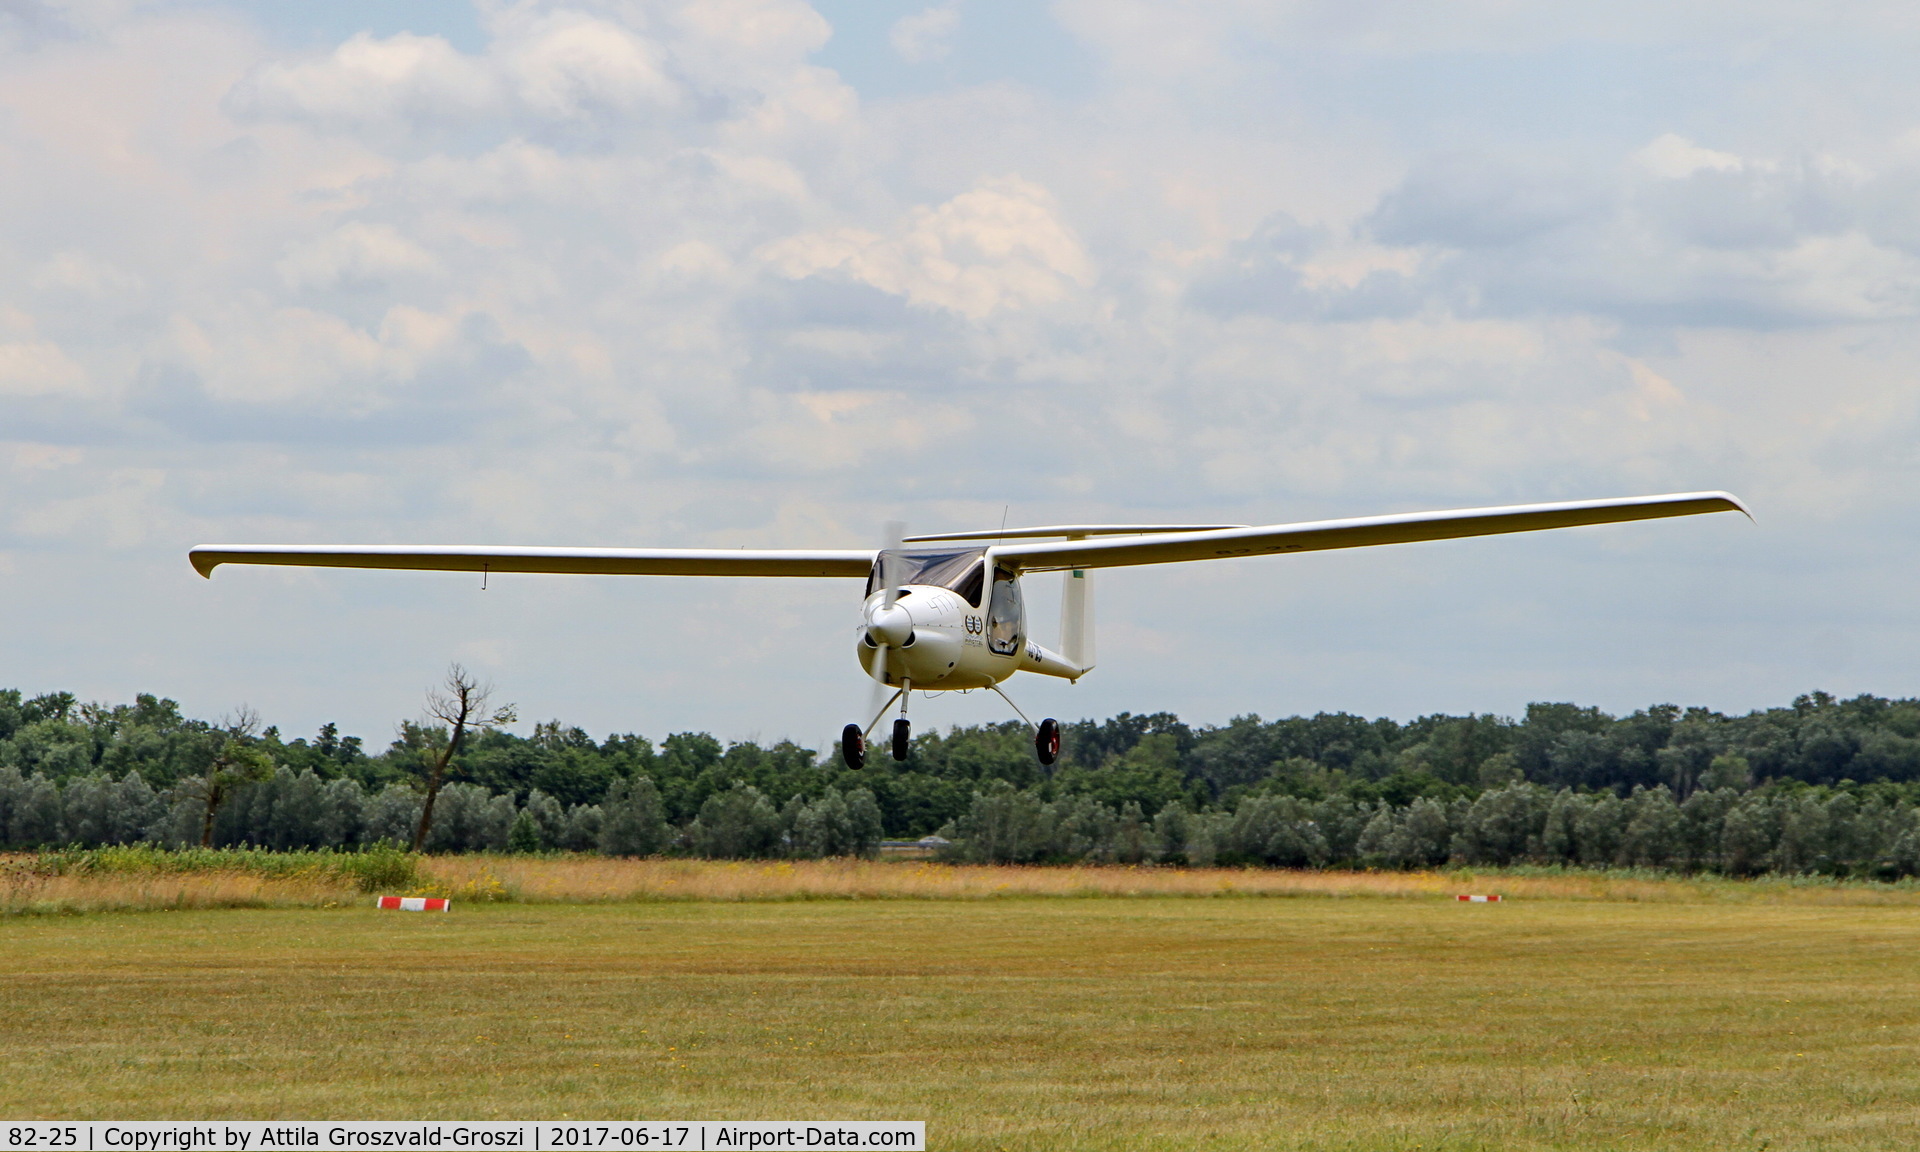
x=888, y=624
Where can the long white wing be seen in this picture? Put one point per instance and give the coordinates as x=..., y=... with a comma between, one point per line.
x=1069, y=530
x=592, y=561
x=1322, y=534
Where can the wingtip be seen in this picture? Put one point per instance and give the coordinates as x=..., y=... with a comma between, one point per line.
x=1736, y=504
x=203, y=562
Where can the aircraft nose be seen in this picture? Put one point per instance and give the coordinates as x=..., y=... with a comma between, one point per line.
x=889, y=624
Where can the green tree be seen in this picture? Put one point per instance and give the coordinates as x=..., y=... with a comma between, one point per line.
x=1003, y=826
x=738, y=824
x=1656, y=832
x=1503, y=824
x=1422, y=838
x=237, y=760
x=633, y=821
x=524, y=837
x=1727, y=770
x=836, y=824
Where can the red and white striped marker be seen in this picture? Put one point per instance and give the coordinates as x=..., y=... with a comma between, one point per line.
x=1478, y=899
x=413, y=903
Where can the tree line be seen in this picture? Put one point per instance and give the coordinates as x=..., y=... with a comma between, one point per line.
x=1663, y=786
x=1798, y=830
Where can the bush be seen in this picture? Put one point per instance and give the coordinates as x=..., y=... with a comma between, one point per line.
x=383, y=866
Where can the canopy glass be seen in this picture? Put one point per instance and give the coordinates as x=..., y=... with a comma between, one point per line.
x=962, y=571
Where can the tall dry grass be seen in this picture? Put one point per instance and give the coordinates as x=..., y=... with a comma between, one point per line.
x=29, y=886
x=24, y=891
x=595, y=879
x=142, y=877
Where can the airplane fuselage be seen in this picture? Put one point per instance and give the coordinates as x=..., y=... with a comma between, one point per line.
x=953, y=645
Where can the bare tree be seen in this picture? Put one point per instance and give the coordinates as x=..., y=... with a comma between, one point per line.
x=461, y=703
x=237, y=759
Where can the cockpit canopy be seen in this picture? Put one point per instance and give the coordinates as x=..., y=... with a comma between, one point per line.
x=963, y=572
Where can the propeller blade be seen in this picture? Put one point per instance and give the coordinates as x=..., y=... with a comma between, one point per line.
x=892, y=541
x=890, y=566
x=881, y=690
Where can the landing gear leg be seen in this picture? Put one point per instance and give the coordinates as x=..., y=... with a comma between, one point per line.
x=853, y=738
x=1046, y=734
x=902, y=730
x=1010, y=703
x=884, y=709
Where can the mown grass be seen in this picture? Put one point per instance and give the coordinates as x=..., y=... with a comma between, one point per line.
x=1083, y=1023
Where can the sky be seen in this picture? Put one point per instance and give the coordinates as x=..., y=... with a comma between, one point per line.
x=754, y=273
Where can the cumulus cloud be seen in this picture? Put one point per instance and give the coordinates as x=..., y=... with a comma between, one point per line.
x=561, y=67
x=1670, y=234
x=924, y=35
x=644, y=271
x=998, y=245
x=37, y=368
x=370, y=79
x=569, y=64
x=354, y=253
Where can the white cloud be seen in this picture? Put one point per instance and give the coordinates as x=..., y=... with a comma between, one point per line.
x=1674, y=157
x=369, y=79
x=999, y=245
x=83, y=274
x=924, y=35
x=551, y=66
x=38, y=368
x=569, y=64
x=742, y=43
x=354, y=253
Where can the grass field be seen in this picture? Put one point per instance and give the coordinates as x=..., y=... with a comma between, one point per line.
x=1020, y=1023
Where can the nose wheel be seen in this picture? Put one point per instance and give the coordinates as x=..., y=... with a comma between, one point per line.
x=853, y=738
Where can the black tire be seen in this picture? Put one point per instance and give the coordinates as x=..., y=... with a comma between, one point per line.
x=853, y=747
x=1046, y=740
x=902, y=738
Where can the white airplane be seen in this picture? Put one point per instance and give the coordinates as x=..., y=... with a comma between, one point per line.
x=947, y=614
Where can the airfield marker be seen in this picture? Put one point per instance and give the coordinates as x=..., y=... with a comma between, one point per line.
x=414, y=903
x=1478, y=899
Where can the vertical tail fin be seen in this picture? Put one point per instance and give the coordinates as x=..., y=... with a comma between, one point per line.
x=1076, y=619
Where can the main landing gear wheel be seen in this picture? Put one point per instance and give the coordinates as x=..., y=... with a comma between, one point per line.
x=1046, y=740
x=853, y=746
x=902, y=738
